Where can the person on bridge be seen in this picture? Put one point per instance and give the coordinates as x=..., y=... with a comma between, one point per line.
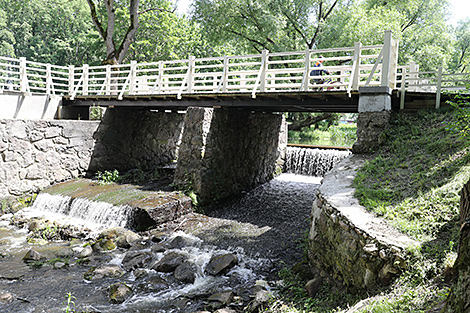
x=319, y=71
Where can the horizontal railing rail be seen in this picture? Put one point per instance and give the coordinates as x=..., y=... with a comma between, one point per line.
x=432, y=82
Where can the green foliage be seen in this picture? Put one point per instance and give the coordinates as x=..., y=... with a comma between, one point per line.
x=48, y=232
x=108, y=177
x=96, y=112
x=340, y=135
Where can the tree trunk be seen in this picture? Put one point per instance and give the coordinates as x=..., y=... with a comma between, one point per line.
x=459, y=297
x=310, y=120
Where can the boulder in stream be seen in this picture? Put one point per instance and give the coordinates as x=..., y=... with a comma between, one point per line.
x=103, y=245
x=221, y=264
x=32, y=255
x=135, y=259
x=123, y=238
x=119, y=292
x=6, y=298
x=170, y=262
x=186, y=272
x=103, y=271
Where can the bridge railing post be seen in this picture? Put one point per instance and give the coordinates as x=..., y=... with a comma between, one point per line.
x=306, y=77
x=107, y=81
x=223, y=80
x=264, y=68
x=439, y=87
x=86, y=74
x=132, y=77
x=414, y=76
x=191, y=72
x=23, y=76
x=387, y=58
x=48, y=79
x=356, y=65
x=71, y=79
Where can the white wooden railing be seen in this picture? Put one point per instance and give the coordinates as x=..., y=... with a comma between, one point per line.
x=432, y=82
x=349, y=68
x=267, y=72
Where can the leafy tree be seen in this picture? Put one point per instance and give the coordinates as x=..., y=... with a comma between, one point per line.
x=7, y=39
x=164, y=35
x=461, y=56
x=275, y=25
x=57, y=32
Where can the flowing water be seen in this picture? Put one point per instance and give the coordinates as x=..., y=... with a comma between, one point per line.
x=312, y=162
x=264, y=228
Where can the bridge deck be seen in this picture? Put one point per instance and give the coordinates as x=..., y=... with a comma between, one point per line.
x=325, y=101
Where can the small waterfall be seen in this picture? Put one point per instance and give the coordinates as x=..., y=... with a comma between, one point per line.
x=84, y=210
x=312, y=162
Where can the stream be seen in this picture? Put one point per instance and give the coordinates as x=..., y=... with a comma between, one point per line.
x=263, y=229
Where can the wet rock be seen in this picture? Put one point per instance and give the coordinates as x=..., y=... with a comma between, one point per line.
x=225, y=310
x=85, y=252
x=135, y=259
x=139, y=273
x=221, y=264
x=119, y=292
x=6, y=298
x=59, y=265
x=123, y=238
x=180, y=303
x=261, y=299
x=186, y=272
x=157, y=283
x=65, y=252
x=103, y=245
x=36, y=224
x=32, y=255
x=38, y=241
x=170, y=262
x=103, y=271
x=156, y=248
x=313, y=286
x=222, y=298
x=157, y=236
x=180, y=241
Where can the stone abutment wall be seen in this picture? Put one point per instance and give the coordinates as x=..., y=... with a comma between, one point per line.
x=362, y=251
x=224, y=152
x=35, y=153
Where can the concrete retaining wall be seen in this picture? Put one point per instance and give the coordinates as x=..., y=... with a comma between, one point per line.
x=362, y=251
x=29, y=106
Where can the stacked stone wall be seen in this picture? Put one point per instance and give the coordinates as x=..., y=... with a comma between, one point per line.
x=35, y=153
x=224, y=152
x=362, y=251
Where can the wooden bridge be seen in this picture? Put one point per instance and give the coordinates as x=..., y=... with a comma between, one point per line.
x=280, y=82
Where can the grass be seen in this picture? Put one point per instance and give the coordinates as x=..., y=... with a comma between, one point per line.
x=414, y=181
x=342, y=135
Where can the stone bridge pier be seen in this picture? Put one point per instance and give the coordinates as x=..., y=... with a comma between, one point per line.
x=226, y=151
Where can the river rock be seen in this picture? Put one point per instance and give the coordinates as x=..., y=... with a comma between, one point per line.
x=36, y=224
x=32, y=255
x=158, y=247
x=223, y=298
x=103, y=245
x=103, y=271
x=6, y=298
x=119, y=292
x=225, y=310
x=85, y=252
x=157, y=283
x=186, y=272
x=261, y=299
x=135, y=259
x=123, y=238
x=313, y=286
x=221, y=264
x=180, y=241
x=170, y=262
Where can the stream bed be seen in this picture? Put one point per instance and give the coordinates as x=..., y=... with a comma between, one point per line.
x=262, y=230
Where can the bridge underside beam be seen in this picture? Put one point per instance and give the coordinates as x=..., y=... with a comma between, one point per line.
x=339, y=102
